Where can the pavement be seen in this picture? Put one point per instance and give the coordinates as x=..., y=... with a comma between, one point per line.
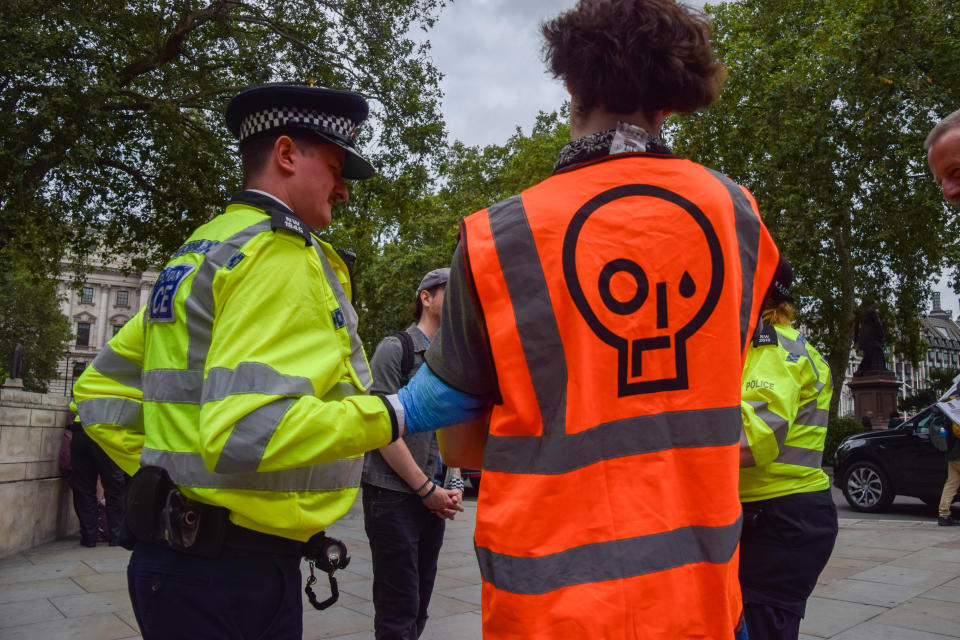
x=887, y=580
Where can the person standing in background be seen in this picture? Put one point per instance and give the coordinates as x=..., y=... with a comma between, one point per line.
x=403, y=506
x=88, y=464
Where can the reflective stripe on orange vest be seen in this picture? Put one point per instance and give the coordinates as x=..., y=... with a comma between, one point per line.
x=612, y=461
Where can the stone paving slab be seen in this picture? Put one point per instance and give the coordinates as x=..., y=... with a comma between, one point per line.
x=874, y=631
x=98, y=627
x=904, y=576
x=826, y=618
x=921, y=614
x=874, y=593
x=886, y=580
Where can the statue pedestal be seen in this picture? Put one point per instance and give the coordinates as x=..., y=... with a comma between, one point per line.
x=875, y=391
x=13, y=383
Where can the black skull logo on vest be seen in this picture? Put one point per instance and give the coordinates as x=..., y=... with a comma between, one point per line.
x=645, y=287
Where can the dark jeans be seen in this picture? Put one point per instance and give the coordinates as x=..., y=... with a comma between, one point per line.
x=89, y=461
x=239, y=595
x=405, y=540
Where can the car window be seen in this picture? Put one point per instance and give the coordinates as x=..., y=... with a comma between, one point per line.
x=930, y=421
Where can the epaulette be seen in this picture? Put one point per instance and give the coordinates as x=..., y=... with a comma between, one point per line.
x=765, y=335
x=289, y=222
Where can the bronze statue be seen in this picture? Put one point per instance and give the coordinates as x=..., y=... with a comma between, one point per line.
x=16, y=363
x=869, y=335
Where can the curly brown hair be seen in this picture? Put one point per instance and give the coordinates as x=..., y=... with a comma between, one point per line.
x=631, y=55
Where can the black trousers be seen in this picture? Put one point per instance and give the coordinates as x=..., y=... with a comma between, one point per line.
x=405, y=540
x=90, y=461
x=239, y=595
x=786, y=543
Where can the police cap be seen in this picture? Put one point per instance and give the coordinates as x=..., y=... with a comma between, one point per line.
x=332, y=114
x=782, y=280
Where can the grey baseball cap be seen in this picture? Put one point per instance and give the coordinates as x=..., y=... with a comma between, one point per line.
x=435, y=277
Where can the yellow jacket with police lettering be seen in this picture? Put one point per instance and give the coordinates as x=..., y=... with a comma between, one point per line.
x=785, y=405
x=244, y=376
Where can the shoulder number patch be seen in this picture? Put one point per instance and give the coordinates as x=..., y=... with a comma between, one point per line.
x=165, y=291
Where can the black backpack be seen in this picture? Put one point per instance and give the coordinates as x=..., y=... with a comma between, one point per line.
x=406, y=361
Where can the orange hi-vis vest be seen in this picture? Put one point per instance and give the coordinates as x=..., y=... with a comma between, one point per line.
x=619, y=297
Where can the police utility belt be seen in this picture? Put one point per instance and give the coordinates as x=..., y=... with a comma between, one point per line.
x=157, y=512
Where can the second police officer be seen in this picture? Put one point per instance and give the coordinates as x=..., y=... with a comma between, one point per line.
x=239, y=391
x=790, y=521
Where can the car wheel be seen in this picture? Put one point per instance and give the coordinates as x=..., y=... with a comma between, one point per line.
x=866, y=487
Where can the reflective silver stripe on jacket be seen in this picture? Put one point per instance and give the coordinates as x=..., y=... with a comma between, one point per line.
x=809, y=415
x=617, y=439
x=248, y=439
x=533, y=310
x=199, y=305
x=112, y=365
x=172, y=385
x=800, y=456
x=748, y=243
x=122, y=412
x=253, y=377
x=798, y=348
x=177, y=385
x=611, y=560
x=357, y=359
x=777, y=423
x=189, y=470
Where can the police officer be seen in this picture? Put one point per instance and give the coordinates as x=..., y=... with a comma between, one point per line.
x=239, y=391
x=790, y=521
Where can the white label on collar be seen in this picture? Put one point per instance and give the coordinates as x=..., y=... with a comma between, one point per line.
x=629, y=138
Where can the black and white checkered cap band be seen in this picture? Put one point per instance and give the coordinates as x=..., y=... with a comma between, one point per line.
x=273, y=118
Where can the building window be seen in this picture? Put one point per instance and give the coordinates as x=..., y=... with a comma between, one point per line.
x=117, y=328
x=83, y=334
x=86, y=294
x=122, y=298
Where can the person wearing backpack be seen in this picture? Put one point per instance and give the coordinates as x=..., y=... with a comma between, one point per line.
x=404, y=508
x=948, y=441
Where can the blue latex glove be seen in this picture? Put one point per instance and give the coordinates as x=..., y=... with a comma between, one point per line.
x=430, y=404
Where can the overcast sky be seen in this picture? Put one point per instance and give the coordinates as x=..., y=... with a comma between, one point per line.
x=494, y=79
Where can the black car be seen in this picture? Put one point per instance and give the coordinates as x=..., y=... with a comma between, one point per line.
x=874, y=467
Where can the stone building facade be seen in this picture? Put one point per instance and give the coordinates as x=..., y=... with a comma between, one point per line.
x=107, y=299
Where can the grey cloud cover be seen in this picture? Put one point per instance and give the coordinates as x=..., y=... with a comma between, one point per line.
x=494, y=78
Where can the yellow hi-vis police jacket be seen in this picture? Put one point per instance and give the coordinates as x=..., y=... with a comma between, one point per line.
x=250, y=374
x=785, y=404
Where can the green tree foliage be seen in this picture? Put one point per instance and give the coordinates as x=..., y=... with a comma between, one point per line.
x=111, y=117
x=111, y=126
x=941, y=379
x=823, y=118
x=415, y=236
x=30, y=314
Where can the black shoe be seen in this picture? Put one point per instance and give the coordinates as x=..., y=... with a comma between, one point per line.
x=113, y=543
x=88, y=543
x=948, y=521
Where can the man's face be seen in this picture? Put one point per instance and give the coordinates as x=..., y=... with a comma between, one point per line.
x=433, y=304
x=944, y=160
x=319, y=184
